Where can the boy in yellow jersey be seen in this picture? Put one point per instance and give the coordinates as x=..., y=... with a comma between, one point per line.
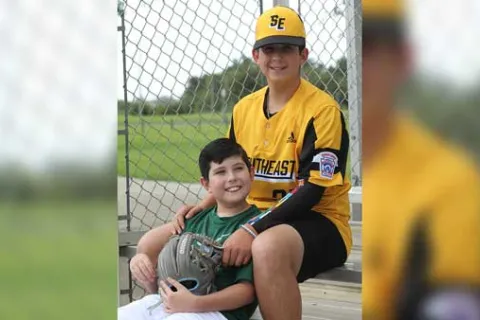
x=296, y=138
x=421, y=197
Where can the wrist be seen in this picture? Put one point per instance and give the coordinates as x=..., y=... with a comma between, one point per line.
x=197, y=304
x=250, y=229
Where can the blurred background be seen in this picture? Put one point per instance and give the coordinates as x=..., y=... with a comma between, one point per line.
x=444, y=89
x=420, y=200
x=57, y=160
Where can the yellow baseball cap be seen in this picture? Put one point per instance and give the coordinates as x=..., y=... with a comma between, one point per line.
x=383, y=9
x=383, y=20
x=279, y=25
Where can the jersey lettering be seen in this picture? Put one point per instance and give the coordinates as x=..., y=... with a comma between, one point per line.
x=274, y=170
x=277, y=168
x=270, y=162
x=285, y=167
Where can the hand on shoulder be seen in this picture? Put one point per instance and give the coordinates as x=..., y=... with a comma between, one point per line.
x=184, y=213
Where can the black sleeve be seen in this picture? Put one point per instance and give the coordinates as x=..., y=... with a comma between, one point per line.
x=303, y=200
x=231, y=133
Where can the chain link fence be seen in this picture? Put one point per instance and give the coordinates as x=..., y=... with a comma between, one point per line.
x=184, y=66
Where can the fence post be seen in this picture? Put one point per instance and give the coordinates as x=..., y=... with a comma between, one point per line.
x=281, y=3
x=354, y=74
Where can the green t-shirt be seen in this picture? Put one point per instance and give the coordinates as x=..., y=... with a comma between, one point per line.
x=210, y=224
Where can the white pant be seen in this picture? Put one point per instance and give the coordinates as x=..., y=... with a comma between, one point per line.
x=139, y=310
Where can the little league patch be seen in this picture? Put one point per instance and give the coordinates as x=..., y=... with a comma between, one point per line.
x=327, y=162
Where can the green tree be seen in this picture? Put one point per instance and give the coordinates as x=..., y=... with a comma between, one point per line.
x=332, y=79
x=219, y=92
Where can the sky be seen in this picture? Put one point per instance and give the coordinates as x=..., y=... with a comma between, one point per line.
x=57, y=79
x=445, y=36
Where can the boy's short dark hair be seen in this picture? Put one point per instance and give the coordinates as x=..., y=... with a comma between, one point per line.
x=217, y=151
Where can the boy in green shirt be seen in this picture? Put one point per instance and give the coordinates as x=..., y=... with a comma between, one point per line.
x=227, y=175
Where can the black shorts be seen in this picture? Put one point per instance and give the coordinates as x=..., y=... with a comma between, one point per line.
x=324, y=248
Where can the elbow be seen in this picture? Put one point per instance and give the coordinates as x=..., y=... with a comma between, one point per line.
x=143, y=244
x=249, y=292
x=251, y=298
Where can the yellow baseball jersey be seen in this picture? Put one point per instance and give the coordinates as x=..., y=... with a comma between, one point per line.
x=416, y=178
x=306, y=141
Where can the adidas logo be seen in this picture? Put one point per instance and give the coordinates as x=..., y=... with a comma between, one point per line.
x=291, y=138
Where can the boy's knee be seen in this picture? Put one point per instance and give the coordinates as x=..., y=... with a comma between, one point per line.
x=279, y=246
x=263, y=247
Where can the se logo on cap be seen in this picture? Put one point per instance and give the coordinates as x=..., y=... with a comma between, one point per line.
x=277, y=22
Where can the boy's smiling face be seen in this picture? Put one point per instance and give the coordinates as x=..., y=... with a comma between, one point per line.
x=280, y=62
x=229, y=182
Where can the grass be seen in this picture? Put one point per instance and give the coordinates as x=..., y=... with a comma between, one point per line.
x=167, y=147
x=168, y=119
x=59, y=260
